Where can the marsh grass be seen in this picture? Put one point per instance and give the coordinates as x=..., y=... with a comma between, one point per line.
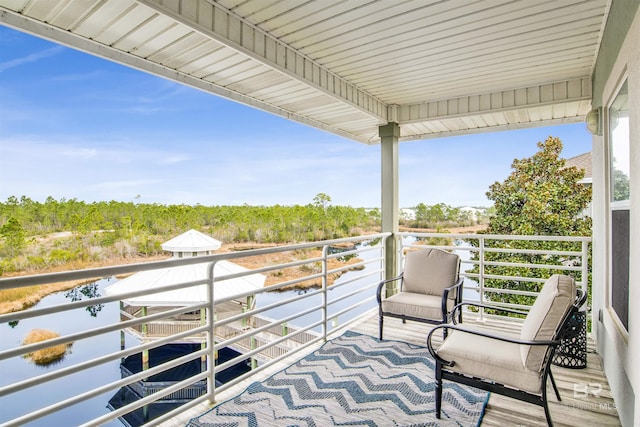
x=46, y=355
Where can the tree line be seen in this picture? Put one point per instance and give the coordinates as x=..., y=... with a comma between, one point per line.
x=232, y=223
x=93, y=232
x=99, y=230
x=442, y=215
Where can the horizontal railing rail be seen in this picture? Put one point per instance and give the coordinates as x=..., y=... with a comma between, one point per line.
x=263, y=341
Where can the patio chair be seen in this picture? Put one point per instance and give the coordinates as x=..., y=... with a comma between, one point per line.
x=430, y=286
x=516, y=367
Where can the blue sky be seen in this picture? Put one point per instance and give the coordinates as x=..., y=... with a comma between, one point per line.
x=77, y=126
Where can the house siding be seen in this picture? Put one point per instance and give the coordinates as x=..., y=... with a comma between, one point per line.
x=618, y=59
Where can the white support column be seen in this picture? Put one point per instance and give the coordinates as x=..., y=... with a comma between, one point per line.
x=389, y=139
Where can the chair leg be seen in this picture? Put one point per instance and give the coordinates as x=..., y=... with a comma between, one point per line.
x=438, y=389
x=555, y=387
x=380, y=327
x=547, y=414
x=545, y=404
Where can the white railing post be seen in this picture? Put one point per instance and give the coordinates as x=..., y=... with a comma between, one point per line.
x=325, y=268
x=383, y=263
x=585, y=268
x=398, y=249
x=211, y=338
x=481, y=278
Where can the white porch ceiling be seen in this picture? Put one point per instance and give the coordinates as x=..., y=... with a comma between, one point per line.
x=437, y=68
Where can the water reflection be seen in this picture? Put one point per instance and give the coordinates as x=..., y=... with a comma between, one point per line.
x=18, y=368
x=90, y=290
x=334, y=293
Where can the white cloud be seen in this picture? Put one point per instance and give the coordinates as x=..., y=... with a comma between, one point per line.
x=79, y=77
x=169, y=159
x=33, y=57
x=80, y=153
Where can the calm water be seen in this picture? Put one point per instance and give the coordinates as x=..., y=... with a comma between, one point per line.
x=316, y=300
x=17, y=369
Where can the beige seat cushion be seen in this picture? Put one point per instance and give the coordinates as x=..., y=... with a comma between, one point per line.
x=429, y=271
x=543, y=320
x=415, y=305
x=489, y=359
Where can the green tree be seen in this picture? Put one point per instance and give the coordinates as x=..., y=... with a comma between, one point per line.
x=322, y=200
x=422, y=214
x=13, y=235
x=542, y=196
x=620, y=185
x=440, y=215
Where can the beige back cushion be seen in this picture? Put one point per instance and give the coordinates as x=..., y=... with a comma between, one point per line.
x=556, y=297
x=429, y=271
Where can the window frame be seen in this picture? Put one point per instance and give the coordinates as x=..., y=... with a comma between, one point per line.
x=616, y=209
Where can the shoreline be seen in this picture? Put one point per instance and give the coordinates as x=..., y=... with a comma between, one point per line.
x=36, y=293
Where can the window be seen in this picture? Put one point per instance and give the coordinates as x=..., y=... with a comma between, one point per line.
x=619, y=166
x=619, y=143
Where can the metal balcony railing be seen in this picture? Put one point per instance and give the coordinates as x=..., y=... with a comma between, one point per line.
x=264, y=334
x=261, y=340
x=520, y=261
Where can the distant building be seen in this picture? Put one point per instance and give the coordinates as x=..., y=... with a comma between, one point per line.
x=408, y=214
x=583, y=161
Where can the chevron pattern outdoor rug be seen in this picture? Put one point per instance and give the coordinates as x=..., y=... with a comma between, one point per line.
x=353, y=380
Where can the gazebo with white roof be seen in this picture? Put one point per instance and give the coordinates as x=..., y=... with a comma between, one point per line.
x=189, y=244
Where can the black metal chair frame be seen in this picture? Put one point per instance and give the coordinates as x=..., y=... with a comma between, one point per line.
x=441, y=373
x=457, y=287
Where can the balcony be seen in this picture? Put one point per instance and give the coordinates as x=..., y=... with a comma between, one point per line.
x=270, y=334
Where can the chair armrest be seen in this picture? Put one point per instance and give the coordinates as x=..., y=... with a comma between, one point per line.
x=381, y=286
x=445, y=295
x=482, y=334
x=581, y=298
x=458, y=283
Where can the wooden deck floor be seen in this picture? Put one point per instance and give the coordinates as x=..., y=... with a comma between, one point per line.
x=501, y=411
x=575, y=409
